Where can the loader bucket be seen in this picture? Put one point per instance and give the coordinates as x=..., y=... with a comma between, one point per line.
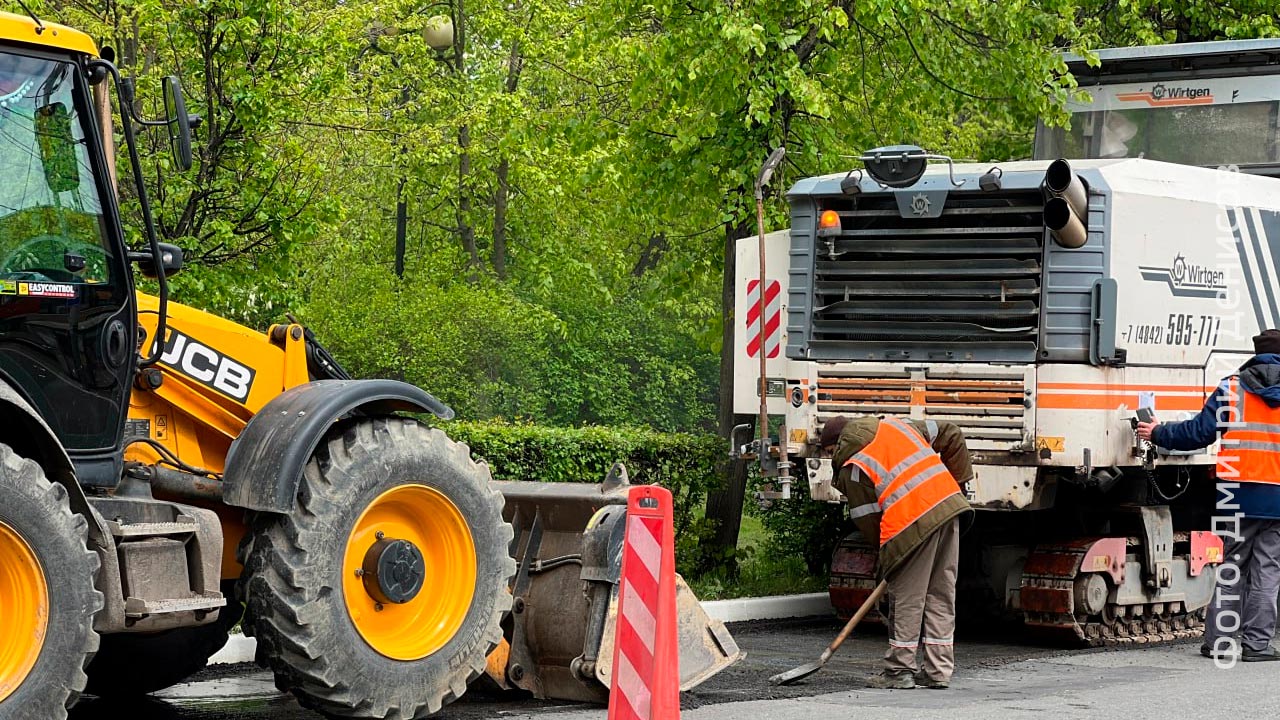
x=559, y=636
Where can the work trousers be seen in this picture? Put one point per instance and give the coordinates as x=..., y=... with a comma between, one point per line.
x=1244, y=600
x=922, y=606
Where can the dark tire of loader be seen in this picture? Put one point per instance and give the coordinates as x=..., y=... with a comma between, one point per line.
x=294, y=565
x=129, y=664
x=40, y=512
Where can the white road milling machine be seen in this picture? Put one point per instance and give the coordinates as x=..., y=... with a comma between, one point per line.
x=1042, y=306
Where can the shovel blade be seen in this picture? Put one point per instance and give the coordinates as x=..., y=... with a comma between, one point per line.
x=795, y=674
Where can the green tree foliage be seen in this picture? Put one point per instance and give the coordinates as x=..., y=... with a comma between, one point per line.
x=489, y=352
x=260, y=75
x=1155, y=22
x=577, y=170
x=571, y=177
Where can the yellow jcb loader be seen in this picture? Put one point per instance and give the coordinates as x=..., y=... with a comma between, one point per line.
x=165, y=473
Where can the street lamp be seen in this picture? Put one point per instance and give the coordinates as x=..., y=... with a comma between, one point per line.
x=438, y=34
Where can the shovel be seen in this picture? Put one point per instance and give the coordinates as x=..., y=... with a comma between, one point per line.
x=805, y=671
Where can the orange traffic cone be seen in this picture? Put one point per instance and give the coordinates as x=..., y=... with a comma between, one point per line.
x=646, y=657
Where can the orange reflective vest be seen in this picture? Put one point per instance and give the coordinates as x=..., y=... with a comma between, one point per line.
x=908, y=475
x=1250, y=450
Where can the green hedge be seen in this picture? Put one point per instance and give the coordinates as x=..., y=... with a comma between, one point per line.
x=686, y=464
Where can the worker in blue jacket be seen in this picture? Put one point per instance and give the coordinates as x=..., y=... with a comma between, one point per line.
x=1245, y=413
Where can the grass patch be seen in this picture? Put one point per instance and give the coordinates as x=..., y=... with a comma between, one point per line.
x=758, y=577
x=759, y=572
x=752, y=534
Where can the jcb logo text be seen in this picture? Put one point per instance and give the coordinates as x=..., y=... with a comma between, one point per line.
x=207, y=366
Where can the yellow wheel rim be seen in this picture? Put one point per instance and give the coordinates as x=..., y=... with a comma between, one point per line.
x=426, y=518
x=24, y=610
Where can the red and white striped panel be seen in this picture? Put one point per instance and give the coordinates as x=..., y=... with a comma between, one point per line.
x=773, y=318
x=637, y=624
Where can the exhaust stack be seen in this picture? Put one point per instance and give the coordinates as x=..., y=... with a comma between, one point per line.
x=1067, y=209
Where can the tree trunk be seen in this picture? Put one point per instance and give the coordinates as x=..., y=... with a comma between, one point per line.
x=500, y=220
x=466, y=233
x=724, y=505
x=402, y=223
x=503, y=192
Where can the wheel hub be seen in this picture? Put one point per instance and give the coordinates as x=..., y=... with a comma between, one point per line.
x=394, y=571
x=24, y=595
x=405, y=535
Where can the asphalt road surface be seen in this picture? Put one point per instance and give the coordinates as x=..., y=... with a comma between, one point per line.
x=248, y=693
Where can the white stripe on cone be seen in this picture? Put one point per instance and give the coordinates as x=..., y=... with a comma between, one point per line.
x=639, y=615
x=646, y=548
x=633, y=687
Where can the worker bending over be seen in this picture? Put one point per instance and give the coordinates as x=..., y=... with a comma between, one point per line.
x=906, y=490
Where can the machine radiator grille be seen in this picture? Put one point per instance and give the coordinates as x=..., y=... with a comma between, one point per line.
x=961, y=287
x=989, y=406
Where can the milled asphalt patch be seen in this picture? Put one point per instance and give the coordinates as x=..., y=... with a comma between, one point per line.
x=1156, y=683
x=1001, y=674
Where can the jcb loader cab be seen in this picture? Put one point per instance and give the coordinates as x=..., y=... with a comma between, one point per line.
x=165, y=473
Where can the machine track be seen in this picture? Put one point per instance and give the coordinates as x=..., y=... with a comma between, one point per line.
x=1051, y=590
x=853, y=577
x=1049, y=595
x=1130, y=632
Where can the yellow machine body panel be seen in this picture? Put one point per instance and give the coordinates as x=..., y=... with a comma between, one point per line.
x=214, y=375
x=23, y=29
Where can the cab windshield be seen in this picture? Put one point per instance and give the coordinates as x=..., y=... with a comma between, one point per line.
x=1208, y=122
x=52, y=227
x=1224, y=135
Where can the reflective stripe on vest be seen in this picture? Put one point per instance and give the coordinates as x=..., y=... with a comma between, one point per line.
x=916, y=481
x=1250, y=449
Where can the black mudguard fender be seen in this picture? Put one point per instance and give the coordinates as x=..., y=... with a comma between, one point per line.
x=266, y=461
x=31, y=437
x=27, y=434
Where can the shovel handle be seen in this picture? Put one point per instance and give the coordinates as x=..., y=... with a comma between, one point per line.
x=853, y=621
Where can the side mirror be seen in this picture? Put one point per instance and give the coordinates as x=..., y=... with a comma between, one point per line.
x=57, y=147
x=170, y=258
x=178, y=122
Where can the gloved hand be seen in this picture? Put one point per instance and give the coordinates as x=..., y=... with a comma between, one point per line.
x=1146, y=430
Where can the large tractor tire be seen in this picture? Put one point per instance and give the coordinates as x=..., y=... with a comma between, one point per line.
x=131, y=664
x=47, y=595
x=381, y=595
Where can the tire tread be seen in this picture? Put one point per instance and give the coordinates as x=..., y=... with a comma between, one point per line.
x=81, y=561
x=285, y=586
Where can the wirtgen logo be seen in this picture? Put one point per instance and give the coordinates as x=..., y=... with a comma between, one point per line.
x=1161, y=95
x=1187, y=280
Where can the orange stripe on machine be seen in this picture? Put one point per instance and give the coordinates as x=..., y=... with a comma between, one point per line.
x=1101, y=396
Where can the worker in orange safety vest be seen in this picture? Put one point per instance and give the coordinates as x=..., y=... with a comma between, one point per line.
x=908, y=475
x=1244, y=413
